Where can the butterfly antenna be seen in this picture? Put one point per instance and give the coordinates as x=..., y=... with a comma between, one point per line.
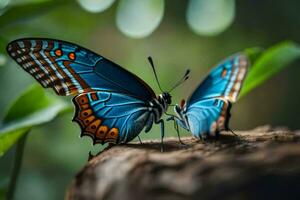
x=182, y=80
x=154, y=71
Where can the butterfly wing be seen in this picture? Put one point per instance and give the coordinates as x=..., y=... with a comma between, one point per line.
x=71, y=69
x=224, y=81
x=110, y=106
x=110, y=117
x=207, y=116
x=208, y=109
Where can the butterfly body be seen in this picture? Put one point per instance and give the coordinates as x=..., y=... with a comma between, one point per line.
x=207, y=111
x=111, y=104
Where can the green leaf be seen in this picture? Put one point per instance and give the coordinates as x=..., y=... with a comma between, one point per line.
x=2, y=46
x=2, y=51
x=3, y=184
x=253, y=53
x=3, y=3
x=269, y=63
x=2, y=194
x=32, y=108
x=9, y=137
x=23, y=12
x=34, y=98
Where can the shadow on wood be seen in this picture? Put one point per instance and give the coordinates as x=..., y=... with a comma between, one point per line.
x=263, y=163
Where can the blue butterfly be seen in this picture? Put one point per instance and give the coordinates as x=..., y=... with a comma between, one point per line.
x=111, y=104
x=207, y=111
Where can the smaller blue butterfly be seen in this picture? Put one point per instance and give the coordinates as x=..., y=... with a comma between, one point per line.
x=207, y=111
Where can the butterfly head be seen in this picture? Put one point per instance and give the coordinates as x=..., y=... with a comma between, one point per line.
x=167, y=97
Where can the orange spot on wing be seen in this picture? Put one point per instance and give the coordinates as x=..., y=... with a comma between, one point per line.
x=89, y=120
x=86, y=113
x=94, y=96
x=72, y=56
x=182, y=103
x=92, y=128
x=224, y=72
x=58, y=52
x=112, y=135
x=101, y=132
x=91, y=125
x=83, y=99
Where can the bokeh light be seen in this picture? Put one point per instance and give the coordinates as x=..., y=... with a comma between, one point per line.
x=95, y=6
x=4, y=3
x=139, y=19
x=210, y=18
x=2, y=60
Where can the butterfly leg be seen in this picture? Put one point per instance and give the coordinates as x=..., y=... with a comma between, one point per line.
x=172, y=117
x=202, y=138
x=217, y=135
x=178, y=134
x=162, y=134
x=140, y=139
x=233, y=132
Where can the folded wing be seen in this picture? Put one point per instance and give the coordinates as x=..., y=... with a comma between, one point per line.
x=207, y=116
x=224, y=81
x=208, y=108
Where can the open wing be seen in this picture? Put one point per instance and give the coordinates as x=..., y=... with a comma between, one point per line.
x=110, y=117
x=71, y=69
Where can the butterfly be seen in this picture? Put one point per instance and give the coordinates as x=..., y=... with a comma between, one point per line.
x=112, y=105
x=207, y=111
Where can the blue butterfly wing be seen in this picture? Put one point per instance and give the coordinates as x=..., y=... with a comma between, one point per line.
x=110, y=117
x=207, y=110
x=110, y=102
x=207, y=116
x=224, y=81
x=71, y=69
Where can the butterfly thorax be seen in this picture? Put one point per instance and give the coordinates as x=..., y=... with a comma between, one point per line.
x=165, y=99
x=160, y=105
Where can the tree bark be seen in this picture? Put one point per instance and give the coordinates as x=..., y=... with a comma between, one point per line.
x=263, y=163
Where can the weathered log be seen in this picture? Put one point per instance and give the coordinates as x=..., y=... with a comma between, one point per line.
x=263, y=163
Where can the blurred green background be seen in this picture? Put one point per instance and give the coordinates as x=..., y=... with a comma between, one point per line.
x=175, y=35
